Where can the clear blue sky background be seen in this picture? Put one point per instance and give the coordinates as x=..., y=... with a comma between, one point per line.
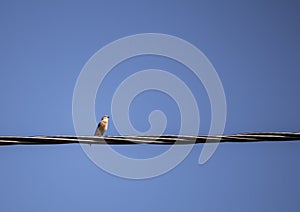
x=255, y=48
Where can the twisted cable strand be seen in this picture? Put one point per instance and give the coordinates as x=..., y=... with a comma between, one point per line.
x=150, y=139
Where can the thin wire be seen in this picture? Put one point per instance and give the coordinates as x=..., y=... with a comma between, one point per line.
x=150, y=139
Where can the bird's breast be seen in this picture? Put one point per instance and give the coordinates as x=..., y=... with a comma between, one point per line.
x=104, y=124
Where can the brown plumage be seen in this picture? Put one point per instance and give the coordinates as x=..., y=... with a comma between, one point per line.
x=102, y=126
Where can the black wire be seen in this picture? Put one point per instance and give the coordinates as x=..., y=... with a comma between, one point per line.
x=150, y=139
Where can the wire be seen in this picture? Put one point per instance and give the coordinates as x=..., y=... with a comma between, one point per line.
x=150, y=139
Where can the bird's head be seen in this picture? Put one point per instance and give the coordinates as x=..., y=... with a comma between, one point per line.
x=105, y=118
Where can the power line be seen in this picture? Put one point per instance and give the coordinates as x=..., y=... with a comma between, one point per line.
x=150, y=139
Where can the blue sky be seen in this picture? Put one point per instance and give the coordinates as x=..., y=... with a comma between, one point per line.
x=254, y=47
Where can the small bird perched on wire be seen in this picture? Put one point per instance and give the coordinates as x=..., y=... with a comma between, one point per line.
x=102, y=126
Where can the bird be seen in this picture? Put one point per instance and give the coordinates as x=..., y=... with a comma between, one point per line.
x=102, y=126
